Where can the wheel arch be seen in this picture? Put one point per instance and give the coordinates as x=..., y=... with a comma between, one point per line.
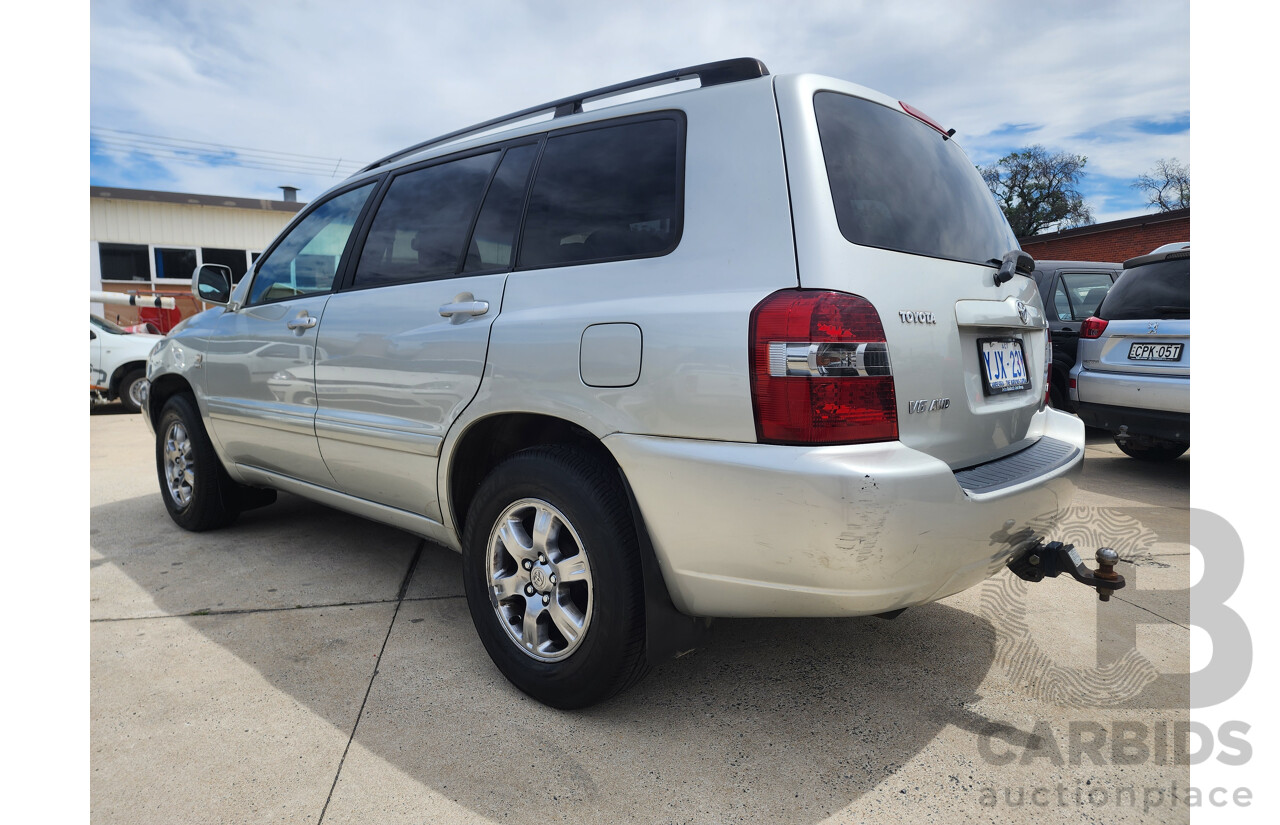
x=164, y=387
x=490, y=440
x=113, y=385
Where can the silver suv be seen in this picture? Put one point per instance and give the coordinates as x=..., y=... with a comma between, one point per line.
x=1133, y=373
x=762, y=347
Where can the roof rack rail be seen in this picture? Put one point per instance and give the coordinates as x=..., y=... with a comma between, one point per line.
x=711, y=74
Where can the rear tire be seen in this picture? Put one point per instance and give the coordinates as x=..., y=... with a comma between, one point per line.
x=1153, y=450
x=551, y=566
x=197, y=491
x=1056, y=397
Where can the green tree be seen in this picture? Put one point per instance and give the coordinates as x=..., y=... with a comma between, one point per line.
x=1038, y=190
x=1167, y=186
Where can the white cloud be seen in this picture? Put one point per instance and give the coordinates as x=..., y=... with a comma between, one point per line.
x=359, y=81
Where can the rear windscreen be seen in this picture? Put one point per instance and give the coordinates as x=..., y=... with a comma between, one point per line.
x=898, y=185
x=1158, y=290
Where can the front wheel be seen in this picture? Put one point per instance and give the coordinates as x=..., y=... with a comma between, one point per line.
x=197, y=491
x=551, y=565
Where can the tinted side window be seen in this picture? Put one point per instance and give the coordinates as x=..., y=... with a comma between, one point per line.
x=422, y=222
x=494, y=237
x=1157, y=290
x=607, y=193
x=1061, y=304
x=306, y=260
x=1087, y=289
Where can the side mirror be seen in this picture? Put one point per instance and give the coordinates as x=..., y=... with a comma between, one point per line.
x=212, y=284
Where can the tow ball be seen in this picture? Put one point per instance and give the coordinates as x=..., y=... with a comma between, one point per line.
x=1055, y=557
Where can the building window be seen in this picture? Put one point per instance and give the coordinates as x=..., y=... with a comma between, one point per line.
x=124, y=262
x=236, y=259
x=175, y=264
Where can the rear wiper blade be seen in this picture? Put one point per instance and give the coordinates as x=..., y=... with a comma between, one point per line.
x=1015, y=260
x=1173, y=310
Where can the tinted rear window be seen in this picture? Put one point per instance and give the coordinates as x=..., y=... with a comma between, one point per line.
x=898, y=185
x=1158, y=290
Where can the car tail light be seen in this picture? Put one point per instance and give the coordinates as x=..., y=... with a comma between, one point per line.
x=820, y=371
x=1092, y=327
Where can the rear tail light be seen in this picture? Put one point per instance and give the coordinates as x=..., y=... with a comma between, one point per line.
x=820, y=370
x=1092, y=327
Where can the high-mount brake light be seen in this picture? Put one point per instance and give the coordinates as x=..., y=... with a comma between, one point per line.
x=1092, y=327
x=925, y=119
x=820, y=370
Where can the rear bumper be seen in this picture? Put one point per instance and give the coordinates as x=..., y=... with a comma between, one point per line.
x=1122, y=389
x=1172, y=426
x=764, y=530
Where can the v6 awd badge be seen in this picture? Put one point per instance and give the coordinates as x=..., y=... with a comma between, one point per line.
x=925, y=405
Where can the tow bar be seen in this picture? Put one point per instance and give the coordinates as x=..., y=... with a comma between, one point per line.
x=1055, y=557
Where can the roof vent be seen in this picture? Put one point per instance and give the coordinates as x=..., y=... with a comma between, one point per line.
x=290, y=194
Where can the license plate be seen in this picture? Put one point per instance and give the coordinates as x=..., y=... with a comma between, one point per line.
x=1155, y=352
x=1003, y=367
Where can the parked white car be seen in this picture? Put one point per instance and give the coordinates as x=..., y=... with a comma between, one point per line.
x=761, y=348
x=118, y=363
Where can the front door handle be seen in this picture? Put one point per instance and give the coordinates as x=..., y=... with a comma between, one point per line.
x=303, y=321
x=464, y=308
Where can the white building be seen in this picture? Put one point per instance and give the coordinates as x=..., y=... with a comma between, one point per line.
x=144, y=241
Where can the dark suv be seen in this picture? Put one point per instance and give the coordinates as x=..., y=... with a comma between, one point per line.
x=1071, y=292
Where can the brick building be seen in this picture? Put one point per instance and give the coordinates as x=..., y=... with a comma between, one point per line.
x=1113, y=240
x=150, y=243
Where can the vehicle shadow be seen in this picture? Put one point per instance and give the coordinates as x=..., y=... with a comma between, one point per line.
x=774, y=720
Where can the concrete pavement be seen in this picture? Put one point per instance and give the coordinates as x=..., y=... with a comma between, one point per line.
x=306, y=666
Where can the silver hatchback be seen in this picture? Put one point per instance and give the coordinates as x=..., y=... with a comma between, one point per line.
x=1133, y=373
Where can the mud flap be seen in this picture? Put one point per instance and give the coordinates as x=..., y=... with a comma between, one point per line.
x=668, y=632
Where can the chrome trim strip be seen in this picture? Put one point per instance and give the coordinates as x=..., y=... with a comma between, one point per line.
x=387, y=438
x=985, y=313
x=291, y=419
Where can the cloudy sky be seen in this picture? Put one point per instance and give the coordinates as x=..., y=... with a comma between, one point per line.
x=237, y=98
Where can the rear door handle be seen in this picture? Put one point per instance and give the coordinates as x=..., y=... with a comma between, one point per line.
x=464, y=308
x=303, y=321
